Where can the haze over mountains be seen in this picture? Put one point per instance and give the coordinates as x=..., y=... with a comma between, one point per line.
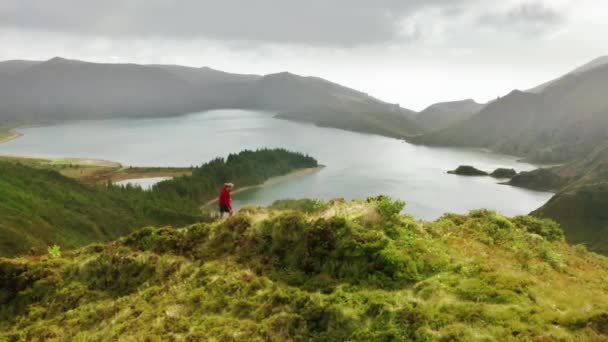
x=61, y=89
x=567, y=119
x=444, y=114
x=600, y=61
x=553, y=122
x=561, y=121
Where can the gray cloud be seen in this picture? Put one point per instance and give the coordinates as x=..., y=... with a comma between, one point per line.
x=529, y=17
x=312, y=22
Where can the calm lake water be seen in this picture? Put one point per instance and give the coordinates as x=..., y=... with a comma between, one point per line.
x=144, y=183
x=358, y=165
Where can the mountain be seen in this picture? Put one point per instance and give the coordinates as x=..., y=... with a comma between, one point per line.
x=567, y=120
x=444, y=114
x=14, y=66
x=315, y=271
x=205, y=75
x=581, y=210
x=580, y=204
x=329, y=104
x=600, y=61
x=61, y=89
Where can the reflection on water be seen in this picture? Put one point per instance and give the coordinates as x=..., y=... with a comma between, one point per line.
x=358, y=165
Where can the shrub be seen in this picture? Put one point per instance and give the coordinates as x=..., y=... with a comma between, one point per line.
x=305, y=205
x=387, y=207
x=493, y=288
x=54, y=251
x=552, y=258
x=118, y=273
x=496, y=226
x=546, y=228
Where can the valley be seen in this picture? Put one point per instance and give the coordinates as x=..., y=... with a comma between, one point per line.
x=343, y=231
x=357, y=165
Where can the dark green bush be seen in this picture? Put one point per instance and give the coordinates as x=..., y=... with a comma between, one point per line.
x=119, y=273
x=386, y=206
x=303, y=205
x=546, y=228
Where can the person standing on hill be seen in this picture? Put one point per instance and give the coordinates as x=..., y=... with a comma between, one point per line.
x=225, y=201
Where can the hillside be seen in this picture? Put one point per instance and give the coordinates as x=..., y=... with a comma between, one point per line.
x=316, y=271
x=581, y=201
x=579, y=204
x=568, y=119
x=14, y=66
x=581, y=210
x=444, y=114
x=329, y=104
x=600, y=61
x=41, y=207
x=205, y=75
x=61, y=89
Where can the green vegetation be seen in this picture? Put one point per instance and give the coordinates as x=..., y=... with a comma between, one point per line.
x=356, y=271
x=467, y=170
x=247, y=168
x=581, y=199
x=7, y=133
x=41, y=207
x=54, y=251
x=4, y=133
x=93, y=171
x=304, y=205
x=582, y=210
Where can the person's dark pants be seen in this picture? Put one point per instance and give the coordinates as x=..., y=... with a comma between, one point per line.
x=224, y=209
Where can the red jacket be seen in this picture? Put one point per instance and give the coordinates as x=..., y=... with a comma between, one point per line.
x=225, y=198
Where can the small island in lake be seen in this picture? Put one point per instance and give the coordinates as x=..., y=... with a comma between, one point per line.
x=467, y=170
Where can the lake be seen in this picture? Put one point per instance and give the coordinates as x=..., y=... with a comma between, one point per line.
x=357, y=165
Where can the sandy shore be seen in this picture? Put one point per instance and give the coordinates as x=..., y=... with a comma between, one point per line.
x=12, y=136
x=271, y=181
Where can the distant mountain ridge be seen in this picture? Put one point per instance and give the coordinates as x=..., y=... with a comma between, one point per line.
x=13, y=66
x=598, y=62
x=566, y=120
x=63, y=89
x=444, y=114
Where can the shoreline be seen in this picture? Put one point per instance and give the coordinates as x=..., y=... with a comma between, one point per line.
x=271, y=181
x=12, y=135
x=95, y=171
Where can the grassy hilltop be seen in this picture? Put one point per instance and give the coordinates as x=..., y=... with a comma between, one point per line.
x=310, y=270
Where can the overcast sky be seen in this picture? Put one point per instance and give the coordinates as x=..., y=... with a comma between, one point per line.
x=412, y=52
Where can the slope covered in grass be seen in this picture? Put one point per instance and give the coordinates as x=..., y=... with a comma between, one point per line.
x=582, y=211
x=309, y=270
x=581, y=198
x=41, y=207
